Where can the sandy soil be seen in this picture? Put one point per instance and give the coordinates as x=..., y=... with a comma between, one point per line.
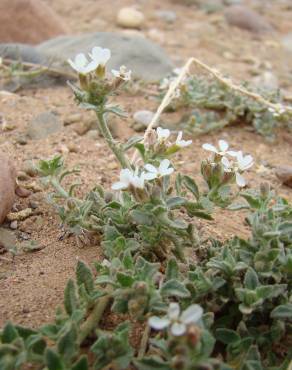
x=31, y=284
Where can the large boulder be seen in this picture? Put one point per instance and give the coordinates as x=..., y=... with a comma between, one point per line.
x=28, y=21
x=7, y=185
x=146, y=59
x=21, y=52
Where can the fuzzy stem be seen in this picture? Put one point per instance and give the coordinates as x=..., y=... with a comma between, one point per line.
x=94, y=318
x=144, y=342
x=58, y=187
x=116, y=149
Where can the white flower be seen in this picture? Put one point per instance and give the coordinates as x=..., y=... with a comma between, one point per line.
x=177, y=71
x=182, y=143
x=122, y=73
x=127, y=178
x=223, y=148
x=242, y=164
x=278, y=110
x=162, y=134
x=176, y=322
x=162, y=170
x=81, y=64
x=100, y=56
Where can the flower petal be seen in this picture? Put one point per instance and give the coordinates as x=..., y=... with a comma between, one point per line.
x=164, y=164
x=210, y=147
x=240, y=180
x=119, y=185
x=149, y=167
x=173, y=311
x=168, y=171
x=226, y=163
x=150, y=176
x=223, y=145
x=192, y=314
x=232, y=153
x=178, y=329
x=158, y=323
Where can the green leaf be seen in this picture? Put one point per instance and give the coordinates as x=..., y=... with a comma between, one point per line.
x=191, y=185
x=53, y=360
x=141, y=149
x=227, y=336
x=251, y=280
x=36, y=344
x=84, y=276
x=132, y=142
x=173, y=288
x=81, y=364
x=67, y=343
x=125, y=280
x=282, y=312
x=141, y=218
x=70, y=297
x=9, y=333
x=172, y=270
x=175, y=202
x=152, y=363
x=116, y=110
x=252, y=199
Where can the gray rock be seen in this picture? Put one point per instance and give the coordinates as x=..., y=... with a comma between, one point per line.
x=22, y=52
x=284, y=174
x=245, y=18
x=7, y=239
x=146, y=59
x=43, y=125
x=142, y=119
x=287, y=42
x=168, y=16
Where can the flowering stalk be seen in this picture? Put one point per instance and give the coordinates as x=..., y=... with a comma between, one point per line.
x=115, y=148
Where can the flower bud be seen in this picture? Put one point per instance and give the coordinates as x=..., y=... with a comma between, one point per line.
x=83, y=80
x=193, y=335
x=206, y=169
x=265, y=189
x=178, y=362
x=140, y=287
x=150, y=138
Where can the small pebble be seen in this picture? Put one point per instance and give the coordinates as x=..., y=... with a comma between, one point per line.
x=130, y=18
x=72, y=118
x=142, y=119
x=21, y=215
x=13, y=225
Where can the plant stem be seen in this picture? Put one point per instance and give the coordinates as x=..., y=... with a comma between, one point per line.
x=59, y=188
x=116, y=149
x=94, y=318
x=144, y=342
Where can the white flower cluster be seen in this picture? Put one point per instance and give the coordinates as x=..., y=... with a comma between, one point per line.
x=176, y=321
x=238, y=166
x=278, y=110
x=164, y=134
x=133, y=178
x=98, y=57
x=137, y=178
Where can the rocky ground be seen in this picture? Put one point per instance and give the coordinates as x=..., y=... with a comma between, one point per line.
x=40, y=119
